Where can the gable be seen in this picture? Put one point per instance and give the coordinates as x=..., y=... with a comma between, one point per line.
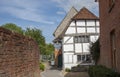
x=84, y=13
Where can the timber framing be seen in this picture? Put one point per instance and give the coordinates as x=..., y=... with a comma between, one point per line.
x=76, y=35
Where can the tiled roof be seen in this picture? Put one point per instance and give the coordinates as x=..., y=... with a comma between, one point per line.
x=84, y=13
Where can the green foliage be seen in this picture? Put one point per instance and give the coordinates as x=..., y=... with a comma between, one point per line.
x=42, y=66
x=67, y=70
x=13, y=27
x=101, y=71
x=95, y=51
x=49, y=49
x=36, y=34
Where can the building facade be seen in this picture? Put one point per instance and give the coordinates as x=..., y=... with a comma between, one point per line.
x=110, y=33
x=58, y=34
x=82, y=29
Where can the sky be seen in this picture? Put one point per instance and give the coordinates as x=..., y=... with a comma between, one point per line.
x=45, y=15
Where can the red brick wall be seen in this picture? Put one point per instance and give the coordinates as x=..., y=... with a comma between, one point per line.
x=19, y=55
x=109, y=20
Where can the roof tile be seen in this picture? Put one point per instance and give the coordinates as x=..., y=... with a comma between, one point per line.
x=84, y=13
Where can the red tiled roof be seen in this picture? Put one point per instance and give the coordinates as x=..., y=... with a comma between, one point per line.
x=84, y=13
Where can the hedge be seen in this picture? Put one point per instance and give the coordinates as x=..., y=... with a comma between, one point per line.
x=102, y=71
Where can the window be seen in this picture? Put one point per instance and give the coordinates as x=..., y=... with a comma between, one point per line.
x=81, y=39
x=81, y=58
x=78, y=58
x=111, y=4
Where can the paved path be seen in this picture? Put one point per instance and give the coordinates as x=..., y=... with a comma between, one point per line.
x=51, y=72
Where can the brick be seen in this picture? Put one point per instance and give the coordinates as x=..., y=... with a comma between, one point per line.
x=16, y=58
x=109, y=21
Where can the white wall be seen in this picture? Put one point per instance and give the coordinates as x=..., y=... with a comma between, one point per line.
x=80, y=23
x=86, y=47
x=69, y=60
x=97, y=23
x=91, y=30
x=90, y=22
x=72, y=23
x=78, y=48
x=81, y=30
x=70, y=30
x=68, y=39
x=94, y=38
x=98, y=30
x=70, y=65
x=68, y=47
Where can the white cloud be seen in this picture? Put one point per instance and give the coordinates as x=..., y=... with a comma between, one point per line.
x=25, y=9
x=37, y=11
x=61, y=12
x=67, y=4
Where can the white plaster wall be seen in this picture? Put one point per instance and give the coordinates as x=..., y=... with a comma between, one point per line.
x=68, y=39
x=65, y=58
x=75, y=59
x=68, y=58
x=69, y=61
x=70, y=30
x=80, y=23
x=97, y=23
x=68, y=47
x=72, y=23
x=93, y=38
x=91, y=30
x=71, y=58
x=97, y=37
x=81, y=30
x=90, y=22
x=70, y=65
x=86, y=47
x=78, y=48
x=98, y=30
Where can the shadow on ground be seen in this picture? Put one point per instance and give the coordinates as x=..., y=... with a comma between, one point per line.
x=55, y=68
x=76, y=74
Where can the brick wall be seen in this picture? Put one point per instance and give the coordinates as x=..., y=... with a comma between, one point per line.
x=109, y=21
x=19, y=55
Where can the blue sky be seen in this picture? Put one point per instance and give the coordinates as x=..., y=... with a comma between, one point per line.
x=45, y=15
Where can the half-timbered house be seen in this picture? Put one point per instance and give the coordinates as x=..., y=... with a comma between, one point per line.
x=76, y=36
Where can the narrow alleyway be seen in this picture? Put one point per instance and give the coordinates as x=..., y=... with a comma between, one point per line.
x=51, y=72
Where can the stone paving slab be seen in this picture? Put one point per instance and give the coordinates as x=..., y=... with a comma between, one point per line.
x=76, y=74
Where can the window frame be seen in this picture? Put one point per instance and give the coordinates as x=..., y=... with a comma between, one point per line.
x=82, y=39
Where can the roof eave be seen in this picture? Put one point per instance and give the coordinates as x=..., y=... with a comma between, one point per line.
x=96, y=0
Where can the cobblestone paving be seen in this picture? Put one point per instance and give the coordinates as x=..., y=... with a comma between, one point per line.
x=51, y=72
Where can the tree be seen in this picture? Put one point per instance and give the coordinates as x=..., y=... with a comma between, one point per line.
x=13, y=27
x=36, y=34
x=49, y=49
x=95, y=51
